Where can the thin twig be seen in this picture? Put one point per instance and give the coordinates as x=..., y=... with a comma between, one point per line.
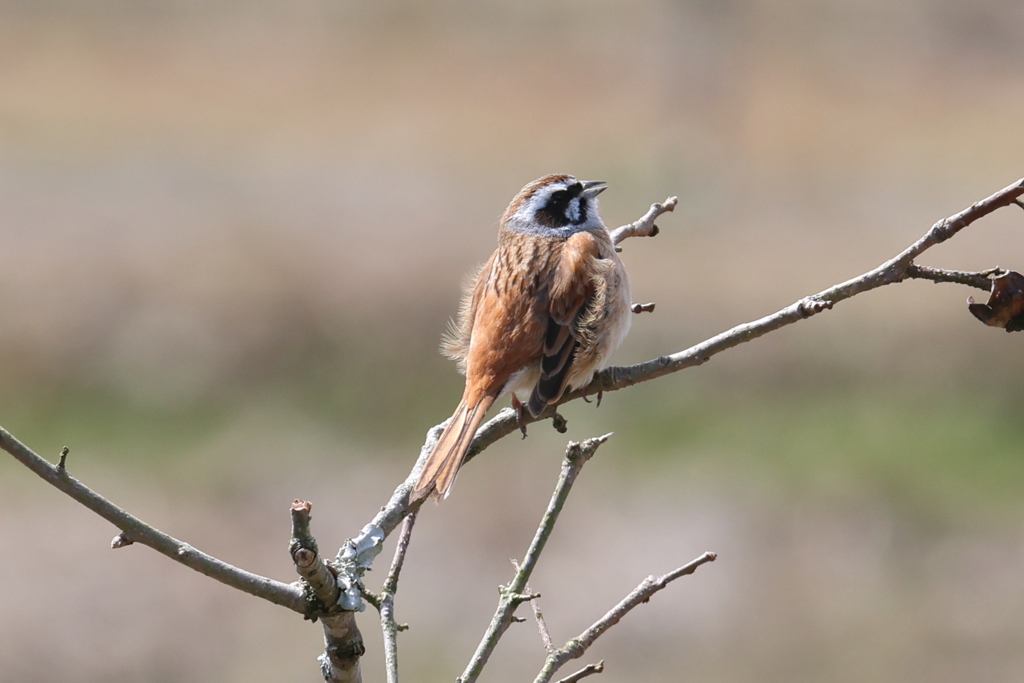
x=387, y=601
x=576, y=456
x=981, y=279
x=134, y=530
x=584, y=672
x=890, y=272
x=542, y=626
x=644, y=226
x=641, y=594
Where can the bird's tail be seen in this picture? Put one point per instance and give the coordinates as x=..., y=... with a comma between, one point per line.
x=441, y=466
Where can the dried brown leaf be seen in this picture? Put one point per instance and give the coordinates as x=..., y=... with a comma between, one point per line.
x=1005, y=307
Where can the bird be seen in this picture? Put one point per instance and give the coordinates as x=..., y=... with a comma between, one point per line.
x=544, y=314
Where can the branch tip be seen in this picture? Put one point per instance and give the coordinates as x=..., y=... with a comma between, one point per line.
x=585, y=449
x=63, y=458
x=643, y=308
x=121, y=541
x=584, y=672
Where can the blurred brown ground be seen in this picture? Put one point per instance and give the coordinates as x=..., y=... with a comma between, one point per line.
x=231, y=234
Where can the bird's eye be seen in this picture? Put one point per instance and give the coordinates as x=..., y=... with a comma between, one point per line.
x=560, y=197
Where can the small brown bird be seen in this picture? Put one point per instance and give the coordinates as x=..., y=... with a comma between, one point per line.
x=547, y=310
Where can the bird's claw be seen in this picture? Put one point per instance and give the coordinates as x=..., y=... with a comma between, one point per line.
x=520, y=409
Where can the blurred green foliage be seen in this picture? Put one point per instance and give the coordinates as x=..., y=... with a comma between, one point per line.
x=949, y=456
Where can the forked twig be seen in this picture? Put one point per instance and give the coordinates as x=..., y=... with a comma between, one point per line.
x=641, y=594
x=542, y=626
x=512, y=595
x=644, y=226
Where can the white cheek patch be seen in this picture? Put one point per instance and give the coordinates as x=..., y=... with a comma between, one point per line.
x=572, y=212
x=532, y=205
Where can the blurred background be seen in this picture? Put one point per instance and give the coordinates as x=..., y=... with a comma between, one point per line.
x=232, y=234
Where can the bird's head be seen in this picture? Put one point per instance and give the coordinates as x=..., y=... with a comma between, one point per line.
x=555, y=206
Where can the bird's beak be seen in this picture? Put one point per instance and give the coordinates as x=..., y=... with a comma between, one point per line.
x=592, y=188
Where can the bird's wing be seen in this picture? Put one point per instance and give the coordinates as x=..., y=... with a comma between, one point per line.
x=570, y=296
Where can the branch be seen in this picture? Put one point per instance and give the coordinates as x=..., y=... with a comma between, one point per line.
x=542, y=626
x=343, y=644
x=890, y=272
x=981, y=279
x=512, y=595
x=308, y=563
x=893, y=271
x=641, y=594
x=644, y=226
x=134, y=530
x=584, y=672
x=387, y=601
x=615, y=378
x=343, y=647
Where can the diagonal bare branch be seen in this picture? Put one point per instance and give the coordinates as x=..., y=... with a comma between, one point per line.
x=641, y=594
x=512, y=595
x=134, y=530
x=895, y=270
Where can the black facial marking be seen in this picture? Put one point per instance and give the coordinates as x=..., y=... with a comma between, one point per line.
x=555, y=212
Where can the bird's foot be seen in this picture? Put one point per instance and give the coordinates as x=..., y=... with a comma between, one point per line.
x=520, y=409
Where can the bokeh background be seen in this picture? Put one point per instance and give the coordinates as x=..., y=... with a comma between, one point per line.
x=232, y=233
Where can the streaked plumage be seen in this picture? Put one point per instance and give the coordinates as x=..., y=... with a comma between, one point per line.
x=545, y=313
